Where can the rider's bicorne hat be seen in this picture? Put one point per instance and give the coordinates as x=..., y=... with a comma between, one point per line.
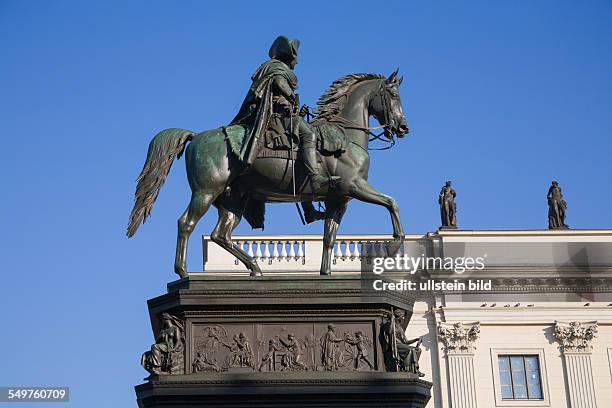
x=284, y=49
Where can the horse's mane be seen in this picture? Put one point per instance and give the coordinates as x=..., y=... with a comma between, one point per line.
x=333, y=100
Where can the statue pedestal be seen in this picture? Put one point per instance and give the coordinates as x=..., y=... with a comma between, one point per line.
x=301, y=340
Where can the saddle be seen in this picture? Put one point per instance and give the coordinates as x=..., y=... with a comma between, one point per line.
x=276, y=143
x=331, y=140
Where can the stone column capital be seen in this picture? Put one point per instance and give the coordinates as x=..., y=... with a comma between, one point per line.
x=575, y=337
x=459, y=338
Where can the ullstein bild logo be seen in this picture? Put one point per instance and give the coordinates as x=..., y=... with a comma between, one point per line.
x=433, y=285
x=411, y=264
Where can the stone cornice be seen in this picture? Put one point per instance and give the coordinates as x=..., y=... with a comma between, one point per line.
x=510, y=233
x=174, y=380
x=543, y=285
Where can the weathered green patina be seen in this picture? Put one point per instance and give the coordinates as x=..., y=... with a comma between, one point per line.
x=257, y=110
x=225, y=170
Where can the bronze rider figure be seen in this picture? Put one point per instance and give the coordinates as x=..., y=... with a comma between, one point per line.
x=272, y=96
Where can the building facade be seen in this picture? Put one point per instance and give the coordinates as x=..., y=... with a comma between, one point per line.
x=533, y=330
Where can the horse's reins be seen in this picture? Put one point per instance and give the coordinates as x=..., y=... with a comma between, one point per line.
x=374, y=136
x=369, y=130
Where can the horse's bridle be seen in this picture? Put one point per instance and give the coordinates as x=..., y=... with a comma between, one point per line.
x=382, y=93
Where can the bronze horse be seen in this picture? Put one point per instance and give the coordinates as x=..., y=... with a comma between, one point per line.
x=218, y=178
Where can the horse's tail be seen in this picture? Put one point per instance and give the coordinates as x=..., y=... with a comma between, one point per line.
x=163, y=149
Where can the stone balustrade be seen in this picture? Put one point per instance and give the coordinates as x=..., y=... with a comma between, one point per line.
x=287, y=253
x=502, y=249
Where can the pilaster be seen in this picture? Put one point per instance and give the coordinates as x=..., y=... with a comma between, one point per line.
x=459, y=343
x=576, y=344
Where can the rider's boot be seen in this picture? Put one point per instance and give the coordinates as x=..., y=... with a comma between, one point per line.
x=311, y=163
x=310, y=213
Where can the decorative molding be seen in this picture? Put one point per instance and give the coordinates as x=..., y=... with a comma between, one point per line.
x=283, y=346
x=459, y=338
x=339, y=295
x=226, y=313
x=553, y=285
x=575, y=337
x=266, y=292
x=229, y=379
x=542, y=285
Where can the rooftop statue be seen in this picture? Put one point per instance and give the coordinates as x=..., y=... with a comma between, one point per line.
x=270, y=153
x=448, y=207
x=557, y=207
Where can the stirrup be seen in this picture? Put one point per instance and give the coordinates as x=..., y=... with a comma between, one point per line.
x=311, y=215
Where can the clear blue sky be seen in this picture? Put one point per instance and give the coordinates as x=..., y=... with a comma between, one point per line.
x=501, y=97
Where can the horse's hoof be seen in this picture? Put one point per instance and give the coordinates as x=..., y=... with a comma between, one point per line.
x=325, y=273
x=256, y=273
x=394, y=247
x=180, y=271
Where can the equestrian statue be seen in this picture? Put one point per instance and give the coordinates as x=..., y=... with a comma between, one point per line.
x=270, y=153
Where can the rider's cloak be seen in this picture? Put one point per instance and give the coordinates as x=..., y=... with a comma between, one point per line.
x=256, y=110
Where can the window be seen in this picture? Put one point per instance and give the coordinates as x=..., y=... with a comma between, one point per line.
x=519, y=377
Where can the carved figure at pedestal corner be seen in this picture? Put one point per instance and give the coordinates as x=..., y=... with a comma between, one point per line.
x=167, y=353
x=399, y=353
x=557, y=207
x=358, y=348
x=330, y=350
x=448, y=208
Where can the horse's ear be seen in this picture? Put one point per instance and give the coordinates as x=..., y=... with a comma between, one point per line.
x=400, y=80
x=393, y=76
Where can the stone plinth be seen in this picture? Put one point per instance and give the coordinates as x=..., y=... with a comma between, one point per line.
x=315, y=389
x=300, y=340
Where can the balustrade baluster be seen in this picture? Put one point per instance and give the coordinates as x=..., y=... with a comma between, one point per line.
x=337, y=252
x=266, y=253
x=346, y=254
x=275, y=254
x=283, y=253
x=301, y=253
x=292, y=255
x=355, y=253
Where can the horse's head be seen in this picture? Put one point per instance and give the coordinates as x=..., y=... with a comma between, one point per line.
x=386, y=107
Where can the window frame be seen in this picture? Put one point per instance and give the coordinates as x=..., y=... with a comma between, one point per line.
x=610, y=361
x=539, y=353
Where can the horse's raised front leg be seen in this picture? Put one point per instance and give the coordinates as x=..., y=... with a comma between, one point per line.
x=230, y=215
x=364, y=191
x=333, y=216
